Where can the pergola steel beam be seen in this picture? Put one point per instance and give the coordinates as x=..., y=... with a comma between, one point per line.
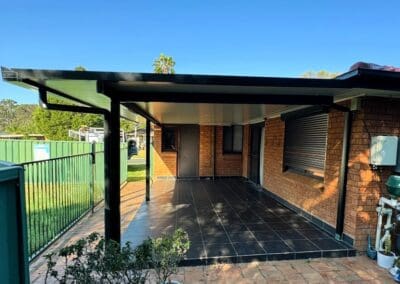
x=148, y=144
x=112, y=167
x=222, y=98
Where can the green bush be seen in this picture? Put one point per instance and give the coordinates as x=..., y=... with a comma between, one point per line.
x=93, y=260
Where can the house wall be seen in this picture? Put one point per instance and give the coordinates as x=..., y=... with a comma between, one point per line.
x=226, y=164
x=246, y=151
x=315, y=196
x=376, y=116
x=206, y=161
x=319, y=198
x=365, y=186
x=165, y=163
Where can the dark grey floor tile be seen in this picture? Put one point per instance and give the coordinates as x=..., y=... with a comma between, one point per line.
x=328, y=244
x=216, y=238
x=248, y=248
x=280, y=226
x=301, y=245
x=196, y=250
x=313, y=233
x=290, y=234
x=215, y=250
x=258, y=227
x=308, y=254
x=276, y=247
x=244, y=236
x=281, y=256
x=334, y=253
x=266, y=236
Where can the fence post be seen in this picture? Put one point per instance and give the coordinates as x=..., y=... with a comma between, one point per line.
x=93, y=173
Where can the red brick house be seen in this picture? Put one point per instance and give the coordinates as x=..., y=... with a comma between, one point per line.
x=304, y=141
x=310, y=187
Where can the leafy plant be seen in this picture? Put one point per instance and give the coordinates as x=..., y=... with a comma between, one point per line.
x=387, y=246
x=93, y=260
x=166, y=252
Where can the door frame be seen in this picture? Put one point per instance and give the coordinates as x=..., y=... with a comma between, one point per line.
x=259, y=125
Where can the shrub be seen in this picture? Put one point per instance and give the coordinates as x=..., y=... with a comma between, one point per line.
x=93, y=260
x=166, y=252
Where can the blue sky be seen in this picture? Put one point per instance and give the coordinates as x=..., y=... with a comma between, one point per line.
x=266, y=38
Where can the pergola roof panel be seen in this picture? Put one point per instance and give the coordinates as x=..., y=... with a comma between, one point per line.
x=185, y=98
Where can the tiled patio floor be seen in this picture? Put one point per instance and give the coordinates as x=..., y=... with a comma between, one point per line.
x=229, y=220
x=358, y=269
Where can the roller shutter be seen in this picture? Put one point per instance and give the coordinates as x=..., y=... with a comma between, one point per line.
x=305, y=144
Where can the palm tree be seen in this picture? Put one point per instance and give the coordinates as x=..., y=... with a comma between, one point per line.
x=164, y=64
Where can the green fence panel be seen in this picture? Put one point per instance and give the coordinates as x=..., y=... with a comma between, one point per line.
x=21, y=151
x=62, y=189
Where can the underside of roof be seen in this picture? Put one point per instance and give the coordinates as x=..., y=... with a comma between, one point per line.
x=202, y=99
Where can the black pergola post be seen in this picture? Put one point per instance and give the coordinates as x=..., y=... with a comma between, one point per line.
x=148, y=160
x=112, y=167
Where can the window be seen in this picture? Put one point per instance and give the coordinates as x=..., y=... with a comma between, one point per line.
x=233, y=139
x=305, y=144
x=168, y=143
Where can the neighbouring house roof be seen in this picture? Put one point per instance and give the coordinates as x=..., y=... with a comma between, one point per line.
x=203, y=99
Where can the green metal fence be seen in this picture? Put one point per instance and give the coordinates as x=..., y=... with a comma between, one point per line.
x=60, y=190
x=21, y=151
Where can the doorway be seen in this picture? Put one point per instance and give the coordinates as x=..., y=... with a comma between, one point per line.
x=188, y=151
x=256, y=131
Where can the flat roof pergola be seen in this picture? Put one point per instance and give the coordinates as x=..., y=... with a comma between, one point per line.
x=187, y=99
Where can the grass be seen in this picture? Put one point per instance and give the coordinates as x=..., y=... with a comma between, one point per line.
x=136, y=172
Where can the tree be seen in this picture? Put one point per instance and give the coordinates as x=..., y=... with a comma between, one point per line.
x=80, y=68
x=55, y=124
x=7, y=113
x=322, y=74
x=22, y=122
x=164, y=64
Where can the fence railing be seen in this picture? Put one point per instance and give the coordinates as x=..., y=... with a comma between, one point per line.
x=60, y=191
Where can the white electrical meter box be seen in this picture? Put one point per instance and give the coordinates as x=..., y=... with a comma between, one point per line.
x=384, y=150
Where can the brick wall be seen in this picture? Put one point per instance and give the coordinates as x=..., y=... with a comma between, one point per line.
x=246, y=149
x=365, y=186
x=377, y=116
x=164, y=162
x=226, y=164
x=206, y=162
x=316, y=197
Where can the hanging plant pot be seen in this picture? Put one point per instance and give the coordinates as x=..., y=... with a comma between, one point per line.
x=385, y=261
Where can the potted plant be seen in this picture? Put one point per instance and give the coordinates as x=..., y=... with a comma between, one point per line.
x=386, y=257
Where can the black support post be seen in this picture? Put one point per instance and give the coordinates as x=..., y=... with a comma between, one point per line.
x=343, y=175
x=112, y=169
x=148, y=160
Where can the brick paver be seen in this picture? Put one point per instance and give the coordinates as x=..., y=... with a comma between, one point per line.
x=358, y=269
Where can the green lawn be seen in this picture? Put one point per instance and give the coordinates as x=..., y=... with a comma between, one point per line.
x=136, y=172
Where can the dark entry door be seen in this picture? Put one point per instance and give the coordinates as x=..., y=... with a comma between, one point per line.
x=188, y=151
x=255, y=143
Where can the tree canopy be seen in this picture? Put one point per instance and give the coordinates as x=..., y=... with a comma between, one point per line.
x=322, y=74
x=164, y=64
